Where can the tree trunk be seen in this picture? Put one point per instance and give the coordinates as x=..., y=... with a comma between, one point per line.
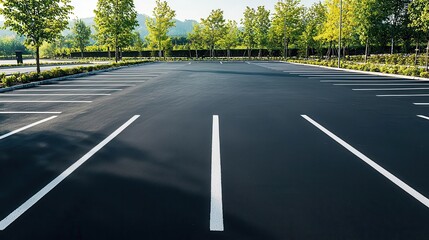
x=229, y=53
x=109, y=55
x=392, y=50
x=249, y=53
x=116, y=54
x=37, y=59
x=306, y=51
x=286, y=43
x=417, y=53
x=196, y=53
x=260, y=53
x=427, y=57
x=329, y=50
x=81, y=53
x=366, y=50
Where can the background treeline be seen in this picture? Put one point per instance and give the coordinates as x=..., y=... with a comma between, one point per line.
x=369, y=26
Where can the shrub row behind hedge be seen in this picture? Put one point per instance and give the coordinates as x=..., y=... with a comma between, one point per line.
x=395, y=69
x=21, y=78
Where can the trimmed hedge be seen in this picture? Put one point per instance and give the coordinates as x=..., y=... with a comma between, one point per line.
x=21, y=78
x=370, y=67
x=43, y=64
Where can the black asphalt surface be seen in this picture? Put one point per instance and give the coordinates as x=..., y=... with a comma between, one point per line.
x=282, y=178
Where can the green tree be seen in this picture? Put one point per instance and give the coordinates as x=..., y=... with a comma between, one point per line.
x=213, y=29
x=115, y=21
x=196, y=38
x=138, y=43
x=263, y=24
x=330, y=31
x=231, y=38
x=419, y=16
x=81, y=35
x=313, y=20
x=287, y=22
x=159, y=26
x=397, y=20
x=249, y=29
x=369, y=17
x=38, y=21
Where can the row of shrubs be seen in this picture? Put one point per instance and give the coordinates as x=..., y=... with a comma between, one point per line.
x=21, y=78
x=43, y=64
x=391, y=59
x=392, y=69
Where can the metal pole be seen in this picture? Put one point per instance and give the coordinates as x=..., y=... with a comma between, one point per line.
x=340, y=38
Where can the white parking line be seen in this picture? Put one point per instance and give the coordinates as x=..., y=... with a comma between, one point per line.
x=398, y=182
x=30, y=112
x=54, y=94
x=26, y=127
x=389, y=89
x=87, y=85
x=221, y=62
x=69, y=89
x=404, y=95
x=102, y=81
x=421, y=104
x=424, y=117
x=45, y=190
x=381, y=84
x=45, y=101
x=216, y=208
x=370, y=81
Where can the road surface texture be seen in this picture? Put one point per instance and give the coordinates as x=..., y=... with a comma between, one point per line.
x=210, y=150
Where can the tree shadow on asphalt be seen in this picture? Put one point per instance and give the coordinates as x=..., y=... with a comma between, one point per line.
x=122, y=192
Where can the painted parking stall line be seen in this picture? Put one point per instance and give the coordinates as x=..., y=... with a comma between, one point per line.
x=26, y=127
x=45, y=190
x=28, y=112
x=389, y=89
x=398, y=182
x=404, y=95
x=71, y=89
x=421, y=104
x=54, y=94
x=422, y=116
x=11, y=101
x=216, y=205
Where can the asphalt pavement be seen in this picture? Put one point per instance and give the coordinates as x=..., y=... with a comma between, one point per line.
x=216, y=150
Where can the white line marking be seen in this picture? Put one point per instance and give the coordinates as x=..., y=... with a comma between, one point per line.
x=398, y=182
x=370, y=81
x=30, y=112
x=52, y=90
x=404, y=95
x=421, y=104
x=53, y=94
x=216, y=208
x=45, y=101
x=221, y=62
x=389, y=89
x=381, y=84
x=87, y=85
x=424, y=117
x=26, y=127
x=96, y=81
x=45, y=190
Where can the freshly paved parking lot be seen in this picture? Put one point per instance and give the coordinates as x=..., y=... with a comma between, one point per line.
x=204, y=150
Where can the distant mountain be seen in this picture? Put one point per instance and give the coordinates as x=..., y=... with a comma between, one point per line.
x=182, y=27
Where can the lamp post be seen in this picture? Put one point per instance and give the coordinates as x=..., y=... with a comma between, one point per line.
x=340, y=37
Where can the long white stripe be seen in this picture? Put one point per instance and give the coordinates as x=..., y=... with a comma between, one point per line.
x=26, y=127
x=398, y=182
x=53, y=94
x=88, y=85
x=371, y=81
x=216, y=208
x=389, y=89
x=421, y=104
x=30, y=112
x=424, y=117
x=381, y=84
x=404, y=95
x=77, y=89
x=45, y=190
x=97, y=81
x=45, y=101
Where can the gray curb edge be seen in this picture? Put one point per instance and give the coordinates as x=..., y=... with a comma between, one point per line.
x=52, y=80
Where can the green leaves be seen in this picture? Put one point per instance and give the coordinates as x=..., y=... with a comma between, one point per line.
x=159, y=26
x=81, y=34
x=213, y=29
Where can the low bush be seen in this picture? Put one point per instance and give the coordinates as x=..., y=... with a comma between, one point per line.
x=19, y=78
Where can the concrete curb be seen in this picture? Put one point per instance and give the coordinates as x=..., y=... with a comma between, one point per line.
x=365, y=72
x=52, y=80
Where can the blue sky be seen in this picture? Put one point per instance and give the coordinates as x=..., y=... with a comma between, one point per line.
x=185, y=9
